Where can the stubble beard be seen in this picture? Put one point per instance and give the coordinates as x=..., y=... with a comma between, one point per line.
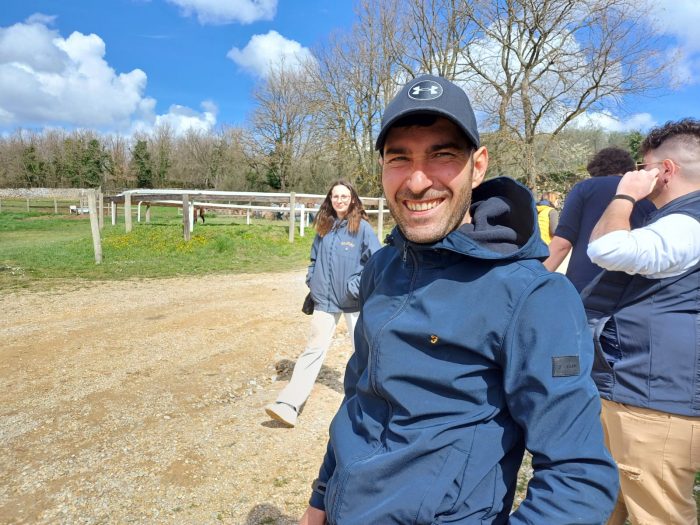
x=436, y=232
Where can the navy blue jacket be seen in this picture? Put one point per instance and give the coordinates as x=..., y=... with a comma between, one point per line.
x=468, y=352
x=337, y=260
x=647, y=333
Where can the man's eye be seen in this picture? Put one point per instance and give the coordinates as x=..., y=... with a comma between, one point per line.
x=397, y=160
x=444, y=155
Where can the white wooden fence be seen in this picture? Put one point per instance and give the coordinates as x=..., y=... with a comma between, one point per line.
x=284, y=202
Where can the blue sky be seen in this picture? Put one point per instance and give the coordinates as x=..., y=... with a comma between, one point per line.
x=177, y=58
x=125, y=65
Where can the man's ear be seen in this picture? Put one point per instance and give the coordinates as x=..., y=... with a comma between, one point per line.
x=480, y=159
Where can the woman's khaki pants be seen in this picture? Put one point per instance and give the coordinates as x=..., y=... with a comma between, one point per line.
x=309, y=363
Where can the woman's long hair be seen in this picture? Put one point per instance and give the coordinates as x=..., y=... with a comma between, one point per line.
x=326, y=216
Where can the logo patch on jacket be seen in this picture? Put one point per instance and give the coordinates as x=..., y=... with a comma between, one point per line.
x=565, y=366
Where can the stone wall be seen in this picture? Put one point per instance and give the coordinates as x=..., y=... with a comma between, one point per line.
x=41, y=193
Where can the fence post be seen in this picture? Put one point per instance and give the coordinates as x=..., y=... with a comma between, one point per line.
x=148, y=213
x=302, y=220
x=380, y=220
x=292, y=211
x=127, y=210
x=55, y=206
x=186, y=216
x=101, y=210
x=27, y=203
x=94, y=226
x=113, y=208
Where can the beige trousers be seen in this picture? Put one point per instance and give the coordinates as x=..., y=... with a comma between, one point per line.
x=657, y=454
x=309, y=363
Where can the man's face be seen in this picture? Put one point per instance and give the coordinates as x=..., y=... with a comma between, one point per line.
x=428, y=173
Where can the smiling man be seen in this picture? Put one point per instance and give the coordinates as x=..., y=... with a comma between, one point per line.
x=467, y=351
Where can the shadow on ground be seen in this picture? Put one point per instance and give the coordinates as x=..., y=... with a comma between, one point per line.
x=267, y=514
x=327, y=376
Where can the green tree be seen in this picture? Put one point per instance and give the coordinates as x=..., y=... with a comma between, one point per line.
x=141, y=165
x=634, y=141
x=33, y=167
x=93, y=160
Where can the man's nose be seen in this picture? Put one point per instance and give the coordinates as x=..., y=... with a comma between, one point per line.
x=419, y=180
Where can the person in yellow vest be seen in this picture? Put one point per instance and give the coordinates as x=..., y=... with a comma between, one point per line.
x=548, y=215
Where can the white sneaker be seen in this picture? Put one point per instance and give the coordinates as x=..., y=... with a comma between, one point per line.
x=282, y=412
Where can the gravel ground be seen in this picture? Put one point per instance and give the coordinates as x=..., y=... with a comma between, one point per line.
x=141, y=402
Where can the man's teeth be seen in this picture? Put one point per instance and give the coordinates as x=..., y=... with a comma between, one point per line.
x=422, y=206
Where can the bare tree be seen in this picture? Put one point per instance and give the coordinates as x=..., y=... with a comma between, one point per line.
x=541, y=64
x=354, y=75
x=283, y=125
x=117, y=176
x=161, y=145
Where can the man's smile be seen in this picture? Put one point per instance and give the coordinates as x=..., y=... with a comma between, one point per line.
x=422, y=205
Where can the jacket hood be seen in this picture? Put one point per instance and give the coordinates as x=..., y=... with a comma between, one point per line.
x=504, y=226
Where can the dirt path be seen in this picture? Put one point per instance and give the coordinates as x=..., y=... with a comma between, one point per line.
x=141, y=402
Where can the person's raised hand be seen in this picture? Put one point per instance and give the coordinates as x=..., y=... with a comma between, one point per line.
x=638, y=184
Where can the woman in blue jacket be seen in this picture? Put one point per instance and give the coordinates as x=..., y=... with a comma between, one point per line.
x=344, y=242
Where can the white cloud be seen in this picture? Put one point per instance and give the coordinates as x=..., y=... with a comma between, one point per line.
x=228, y=11
x=680, y=19
x=41, y=18
x=264, y=52
x=179, y=119
x=47, y=80
x=31, y=45
x=605, y=120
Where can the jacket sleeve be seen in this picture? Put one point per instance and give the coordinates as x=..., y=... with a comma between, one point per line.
x=312, y=257
x=354, y=369
x=368, y=245
x=548, y=354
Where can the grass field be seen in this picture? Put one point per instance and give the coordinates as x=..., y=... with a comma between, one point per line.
x=38, y=247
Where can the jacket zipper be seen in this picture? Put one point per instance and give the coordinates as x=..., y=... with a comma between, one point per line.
x=371, y=368
x=373, y=347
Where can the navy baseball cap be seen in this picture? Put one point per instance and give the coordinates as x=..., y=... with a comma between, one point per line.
x=428, y=94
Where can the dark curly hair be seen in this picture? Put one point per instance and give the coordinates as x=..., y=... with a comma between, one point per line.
x=610, y=161
x=326, y=216
x=686, y=131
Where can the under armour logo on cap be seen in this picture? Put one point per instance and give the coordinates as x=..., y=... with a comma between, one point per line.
x=425, y=90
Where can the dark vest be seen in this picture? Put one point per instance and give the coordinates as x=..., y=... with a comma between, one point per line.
x=647, y=332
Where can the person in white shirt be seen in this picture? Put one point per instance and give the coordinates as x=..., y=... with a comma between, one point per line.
x=645, y=312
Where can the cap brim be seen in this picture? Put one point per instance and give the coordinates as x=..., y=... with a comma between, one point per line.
x=381, y=138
